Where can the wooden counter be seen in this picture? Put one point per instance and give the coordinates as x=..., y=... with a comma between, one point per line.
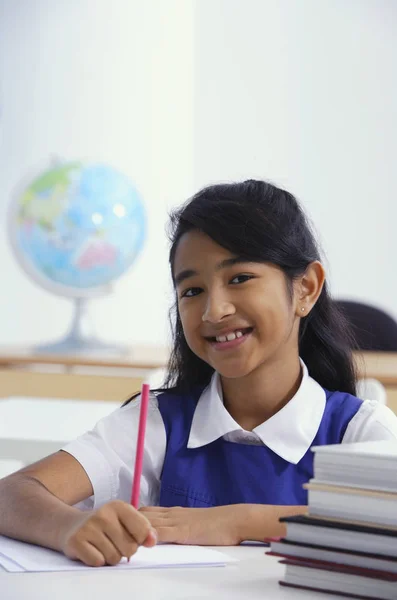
x=25, y=373
x=138, y=357
x=86, y=377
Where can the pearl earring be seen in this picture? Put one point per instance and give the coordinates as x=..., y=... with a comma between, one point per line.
x=302, y=309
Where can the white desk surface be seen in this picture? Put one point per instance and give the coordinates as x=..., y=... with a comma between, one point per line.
x=254, y=577
x=31, y=428
x=34, y=418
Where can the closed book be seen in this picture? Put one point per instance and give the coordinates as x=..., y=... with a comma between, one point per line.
x=342, y=502
x=338, y=579
x=337, y=555
x=336, y=533
x=370, y=465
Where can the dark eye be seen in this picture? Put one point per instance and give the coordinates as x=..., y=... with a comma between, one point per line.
x=241, y=279
x=190, y=292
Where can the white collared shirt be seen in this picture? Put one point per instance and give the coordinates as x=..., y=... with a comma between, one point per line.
x=107, y=452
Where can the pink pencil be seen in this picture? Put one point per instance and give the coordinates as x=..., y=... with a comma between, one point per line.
x=140, y=446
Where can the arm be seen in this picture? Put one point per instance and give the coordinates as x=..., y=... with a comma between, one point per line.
x=35, y=502
x=372, y=422
x=35, y=507
x=260, y=521
x=220, y=525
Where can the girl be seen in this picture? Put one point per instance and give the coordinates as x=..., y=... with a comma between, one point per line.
x=261, y=370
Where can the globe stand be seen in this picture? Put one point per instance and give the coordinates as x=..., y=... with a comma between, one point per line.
x=81, y=339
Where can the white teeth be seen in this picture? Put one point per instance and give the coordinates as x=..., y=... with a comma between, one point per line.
x=229, y=337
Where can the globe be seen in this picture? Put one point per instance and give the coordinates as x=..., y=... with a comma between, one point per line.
x=75, y=229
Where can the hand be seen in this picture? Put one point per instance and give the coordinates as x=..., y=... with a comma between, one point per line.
x=103, y=536
x=217, y=526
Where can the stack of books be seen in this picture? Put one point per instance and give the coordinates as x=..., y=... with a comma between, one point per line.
x=347, y=543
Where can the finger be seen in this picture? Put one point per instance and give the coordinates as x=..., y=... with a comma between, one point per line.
x=168, y=535
x=105, y=546
x=155, y=515
x=135, y=523
x=158, y=521
x=150, y=509
x=121, y=538
x=151, y=539
x=88, y=554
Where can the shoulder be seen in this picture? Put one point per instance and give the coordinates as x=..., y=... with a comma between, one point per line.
x=114, y=436
x=107, y=452
x=115, y=428
x=177, y=409
x=175, y=396
x=129, y=411
x=172, y=402
x=372, y=422
x=341, y=399
x=135, y=404
x=342, y=404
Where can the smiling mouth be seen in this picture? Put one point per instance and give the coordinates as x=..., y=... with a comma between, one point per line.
x=230, y=337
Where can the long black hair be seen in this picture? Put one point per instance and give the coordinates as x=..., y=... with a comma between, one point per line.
x=262, y=223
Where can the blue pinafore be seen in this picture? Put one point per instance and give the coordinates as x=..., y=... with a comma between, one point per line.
x=224, y=472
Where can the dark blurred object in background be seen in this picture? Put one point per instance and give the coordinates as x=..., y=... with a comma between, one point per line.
x=373, y=328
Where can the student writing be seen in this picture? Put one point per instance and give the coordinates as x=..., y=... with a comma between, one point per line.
x=261, y=369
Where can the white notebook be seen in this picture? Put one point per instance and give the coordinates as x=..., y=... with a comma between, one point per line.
x=382, y=449
x=370, y=465
x=19, y=557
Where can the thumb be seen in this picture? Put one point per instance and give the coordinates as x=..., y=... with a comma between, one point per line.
x=168, y=535
x=151, y=539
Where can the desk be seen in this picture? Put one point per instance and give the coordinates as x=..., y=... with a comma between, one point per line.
x=23, y=373
x=138, y=357
x=383, y=367
x=32, y=428
x=90, y=377
x=255, y=577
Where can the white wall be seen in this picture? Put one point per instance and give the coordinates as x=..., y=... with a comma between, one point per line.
x=178, y=93
x=107, y=81
x=304, y=93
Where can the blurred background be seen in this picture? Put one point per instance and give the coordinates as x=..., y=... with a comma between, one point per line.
x=177, y=94
x=180, y=93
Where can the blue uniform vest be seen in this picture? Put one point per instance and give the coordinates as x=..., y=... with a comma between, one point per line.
x=224, y=472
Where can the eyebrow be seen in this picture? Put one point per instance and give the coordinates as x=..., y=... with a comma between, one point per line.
x=227, y=262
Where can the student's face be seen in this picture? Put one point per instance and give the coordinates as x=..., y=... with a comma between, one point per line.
x=247, y=302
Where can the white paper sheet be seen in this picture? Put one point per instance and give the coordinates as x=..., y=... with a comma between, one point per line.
x=10, y=565
x=36, y=558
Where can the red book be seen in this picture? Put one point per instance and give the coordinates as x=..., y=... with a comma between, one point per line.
x=314, y=553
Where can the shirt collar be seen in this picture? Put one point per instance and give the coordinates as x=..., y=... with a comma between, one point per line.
x=289, y=433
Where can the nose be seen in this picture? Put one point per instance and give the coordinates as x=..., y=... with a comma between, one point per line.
x=217, y=307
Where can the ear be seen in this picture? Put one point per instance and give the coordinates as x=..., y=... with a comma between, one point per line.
x=308, y=288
